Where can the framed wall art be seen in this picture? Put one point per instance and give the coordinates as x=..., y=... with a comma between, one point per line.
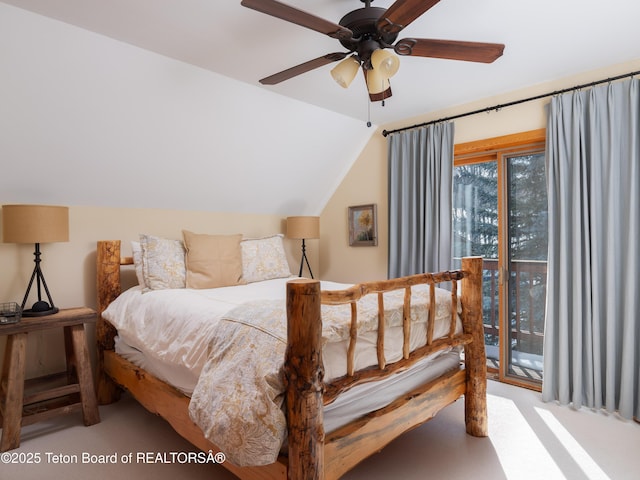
x=363, y=226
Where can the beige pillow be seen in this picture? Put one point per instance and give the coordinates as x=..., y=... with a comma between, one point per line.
x=212, y=260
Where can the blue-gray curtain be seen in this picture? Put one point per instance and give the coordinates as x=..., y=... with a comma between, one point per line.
x=592, y=332
x=420, y=200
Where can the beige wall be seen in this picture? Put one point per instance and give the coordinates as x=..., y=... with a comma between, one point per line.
x=366, y=182
x=69, y=268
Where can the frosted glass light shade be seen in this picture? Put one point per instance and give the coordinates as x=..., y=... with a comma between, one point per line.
x=385, y=63
x=345, y=71
x=376, y=82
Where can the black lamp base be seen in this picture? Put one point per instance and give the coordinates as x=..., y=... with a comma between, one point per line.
x=40, y=309
x=304, y=259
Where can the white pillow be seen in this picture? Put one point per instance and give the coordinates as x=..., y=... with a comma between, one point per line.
x=163, y=263
x=264, y=259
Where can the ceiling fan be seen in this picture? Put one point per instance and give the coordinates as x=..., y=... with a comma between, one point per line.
x=367, y=33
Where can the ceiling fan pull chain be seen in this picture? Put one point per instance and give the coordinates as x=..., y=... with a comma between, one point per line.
x=368, y=112
x=383, y=92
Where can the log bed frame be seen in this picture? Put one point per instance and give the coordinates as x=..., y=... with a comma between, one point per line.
x=312, y=454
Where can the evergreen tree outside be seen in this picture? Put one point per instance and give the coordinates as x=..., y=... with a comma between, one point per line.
x=528, y=239
x=476, y=232
x=475, y=210
x=527, y=208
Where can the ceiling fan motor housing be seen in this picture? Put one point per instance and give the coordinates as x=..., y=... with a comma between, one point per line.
x=366, y=37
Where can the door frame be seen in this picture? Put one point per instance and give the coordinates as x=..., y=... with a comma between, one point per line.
x=494, y=149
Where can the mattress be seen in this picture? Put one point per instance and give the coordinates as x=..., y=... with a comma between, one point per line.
x=348, y=406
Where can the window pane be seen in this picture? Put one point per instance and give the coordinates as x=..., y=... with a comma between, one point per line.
x=527, y=207
x=528, y=233
x=475, y=210
x=475, y=232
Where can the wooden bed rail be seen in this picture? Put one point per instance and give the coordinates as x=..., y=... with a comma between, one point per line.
x=357, y=292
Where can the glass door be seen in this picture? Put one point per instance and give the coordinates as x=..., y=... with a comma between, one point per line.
x=525, y=265
x=475, y=232
x=500, y=212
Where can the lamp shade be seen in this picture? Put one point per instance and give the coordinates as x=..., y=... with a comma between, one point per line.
x=385, y=62
x=303, y=227
x=35, y=224
x=345, y=71
x=376, y=82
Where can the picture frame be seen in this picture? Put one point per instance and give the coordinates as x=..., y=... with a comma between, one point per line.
x=363, y=225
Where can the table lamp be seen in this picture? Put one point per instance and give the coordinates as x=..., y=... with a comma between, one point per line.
x=36, y=224
x=303, y=228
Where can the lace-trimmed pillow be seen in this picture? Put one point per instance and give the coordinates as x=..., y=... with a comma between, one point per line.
x=264, y=259
x=163, y=263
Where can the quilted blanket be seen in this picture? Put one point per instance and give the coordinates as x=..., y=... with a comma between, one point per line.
x=238, y=400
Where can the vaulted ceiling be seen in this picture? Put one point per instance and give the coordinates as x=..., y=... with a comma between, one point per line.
x=157, y=103
x=545, y=40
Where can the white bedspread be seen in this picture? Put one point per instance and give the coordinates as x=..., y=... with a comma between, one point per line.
x=174, y=327
x=230, y=343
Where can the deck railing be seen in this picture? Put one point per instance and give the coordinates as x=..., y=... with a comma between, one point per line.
x=527, y=284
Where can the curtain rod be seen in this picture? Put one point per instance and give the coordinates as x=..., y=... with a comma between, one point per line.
x=516, y=102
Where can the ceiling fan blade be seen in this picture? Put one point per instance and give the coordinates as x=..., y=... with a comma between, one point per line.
x=449, y=49
x=401, y=14
x=303, y=68
x=299, y=17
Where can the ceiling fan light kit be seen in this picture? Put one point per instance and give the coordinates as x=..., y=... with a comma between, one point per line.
x=367, y=33
x=377, y=82
x=345, y=71
x=385, y=62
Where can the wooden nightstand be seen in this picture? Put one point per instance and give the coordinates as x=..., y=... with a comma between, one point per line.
x=20, y=405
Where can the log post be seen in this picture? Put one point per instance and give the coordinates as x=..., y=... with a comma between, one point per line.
x=108, y=288
x=304, y=373
x=475, y=398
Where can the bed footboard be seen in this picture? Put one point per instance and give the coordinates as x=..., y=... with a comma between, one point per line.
x=304, y=372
